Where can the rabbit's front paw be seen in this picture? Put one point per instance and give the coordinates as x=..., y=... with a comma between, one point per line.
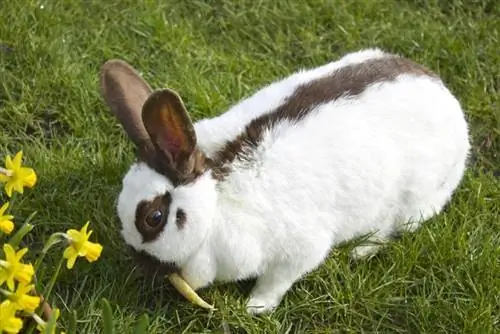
x=261, y=304
x=270, y=289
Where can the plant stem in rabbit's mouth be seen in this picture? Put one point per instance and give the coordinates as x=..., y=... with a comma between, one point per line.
x=184, y=289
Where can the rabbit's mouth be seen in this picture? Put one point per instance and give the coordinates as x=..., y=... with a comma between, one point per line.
x=151, y=265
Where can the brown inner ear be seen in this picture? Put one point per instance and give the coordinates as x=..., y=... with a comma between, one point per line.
x=125, y=93
x=170, y=129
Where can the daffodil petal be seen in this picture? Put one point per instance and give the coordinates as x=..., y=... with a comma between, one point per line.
x=84, y=228
x=17, y=160
x=10, y=283
x=71, y=262
x=13, y=325
x=25, y=288
x=25, y=274
x=28, y=176
x=8, y=163
x=3, y=276
x=9, y=251
x=20, y=253
x=70, y=254
x=18, y=186
x=93, y=251
x=6, y=226
x=7, y=217
x=8, y=188
x=29, y=303
x=74, y=235
x=8, y=321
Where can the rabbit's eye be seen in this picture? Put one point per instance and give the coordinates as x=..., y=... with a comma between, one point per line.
x=155, y=218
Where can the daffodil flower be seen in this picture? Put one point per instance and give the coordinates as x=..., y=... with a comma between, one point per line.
x=9, y=323
x=15, y=176
x=21, y=298
x=6, y=224
x=80, y=246
x=11, y=268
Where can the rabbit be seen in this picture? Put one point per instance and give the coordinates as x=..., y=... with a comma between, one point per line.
x=370, y=144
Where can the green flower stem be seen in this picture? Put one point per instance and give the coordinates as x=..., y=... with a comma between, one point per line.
x=48, y=288
x=53, y=240
x=47, y=291
x=12, y=200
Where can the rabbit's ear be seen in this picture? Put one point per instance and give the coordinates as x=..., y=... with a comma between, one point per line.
x=170, y=129
x=125, y=93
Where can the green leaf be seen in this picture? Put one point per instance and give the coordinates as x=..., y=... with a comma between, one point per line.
x=107, y=317
x=72, y=323
x=141, y=325
x=15, y=240
x=51, y=324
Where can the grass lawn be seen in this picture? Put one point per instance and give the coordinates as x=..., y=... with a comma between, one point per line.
x=444, y=278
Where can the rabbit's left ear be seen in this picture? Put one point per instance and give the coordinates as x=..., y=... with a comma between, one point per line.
x=170, y=129
x=125, y=92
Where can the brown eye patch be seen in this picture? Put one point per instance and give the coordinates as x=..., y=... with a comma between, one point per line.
x=151, y=217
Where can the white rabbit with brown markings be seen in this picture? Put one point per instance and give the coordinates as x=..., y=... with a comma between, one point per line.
x=371, y=144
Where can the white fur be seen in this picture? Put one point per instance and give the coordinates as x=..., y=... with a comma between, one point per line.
x=381, y=162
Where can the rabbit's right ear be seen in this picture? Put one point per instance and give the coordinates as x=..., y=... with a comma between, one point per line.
x=125, y=93
x=171, y=130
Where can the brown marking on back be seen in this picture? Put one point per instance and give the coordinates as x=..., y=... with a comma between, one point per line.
x=350, y=80
x=144, y=209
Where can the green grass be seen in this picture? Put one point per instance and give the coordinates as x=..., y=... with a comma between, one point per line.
x=445, y=278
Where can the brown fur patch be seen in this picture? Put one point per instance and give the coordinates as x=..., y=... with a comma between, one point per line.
x=350, y=80
x=197, y=164
x=180, y=218
x=149, y=231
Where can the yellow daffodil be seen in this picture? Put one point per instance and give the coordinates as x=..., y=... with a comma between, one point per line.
x=22, y=300
x=9, y=323
x=6, y=224
x=80, y=246
x=15, y=176
x=11, y=268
